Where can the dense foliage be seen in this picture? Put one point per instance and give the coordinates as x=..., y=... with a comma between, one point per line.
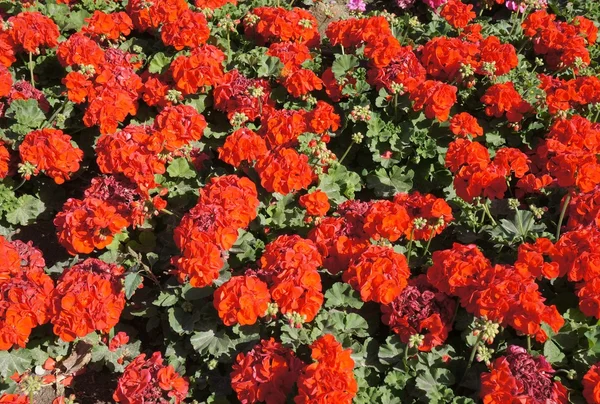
x=319, y=202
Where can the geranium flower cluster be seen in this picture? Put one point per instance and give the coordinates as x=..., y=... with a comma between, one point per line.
x=150, y=381
x=267, y=373
x=562, y=44
x=520, y=377
x=49, y=151
x=420, y=309
x=27, y=32
x=477, y=175
x=25, y=292
x=289, y=266
x=110, y=204
x=563, y=95
x=226, y=205
x=330, y=379
x=500, y=293
x=276, y=24
x=568, y=153
x=591, y=385
x=88, y=297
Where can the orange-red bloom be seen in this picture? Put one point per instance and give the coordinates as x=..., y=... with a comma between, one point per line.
x=242, y=300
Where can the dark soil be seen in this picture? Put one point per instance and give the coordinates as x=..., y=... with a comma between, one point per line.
x=94, y=388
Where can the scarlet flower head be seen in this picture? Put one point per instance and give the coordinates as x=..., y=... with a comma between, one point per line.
x=316, y=203
x=110, y=26
x=379, y=274
x=266, y=373
x=284, y=171
x=149, y=380
x=25, y=292
x=242, y=300
x=88, y=224
x=437, y=98
x=243, y=145
x=503, y=99
x=591, y=381
x=88, y=297
x=50, y=151
x=32, y=31
x=465, y=124
x=330, y=378
x=457, y=13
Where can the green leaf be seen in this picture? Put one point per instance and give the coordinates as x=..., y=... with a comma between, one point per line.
x=159, y=63
x=14, y=361
x=340, y=184
x=269, y=66
x=342, y=295
x=343, y=64
x=388, y=184
x=391, y=352
x=181, y=321
x=433, y=382
x=552, y=352
x=131, y=283
x=27, y=113
x=165, y=299
x=181, y=168
x=28, y=209
x=209, y=342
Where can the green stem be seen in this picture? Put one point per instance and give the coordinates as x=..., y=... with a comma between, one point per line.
x=228, y=47
x=529, y=344
x=410, y=244
x=20, y=185
x=48, y=123
x=473, y=353
x=168, y=212
x=489, y=214
x=346, y=152
x=562, y=215
x=597, y=115
x=395, y=107
x=513, y=20
x=343, y=50
x=405, y=359
x=429, y=241
x=31, y=69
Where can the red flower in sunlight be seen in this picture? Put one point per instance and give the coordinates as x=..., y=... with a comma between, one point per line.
x=25, y=292
x=385, y=219
x=242, y=300
x=190, y=30
x=434, y=214
x=243, y=145
x=202, y=68
x=110, y=26
x=379, y=274
x=289, y=265
x=420, y=309
x=88, y=224
x=149, y=380
x=266, y=373
x=330, y=379
x=4, y=160
x=88, y=297
x=591, y=385
x=316, y=203
x=457, y=13
x=465, y=124
x=50, y=151
x=519, y=377
x=284, y=171
x=503, y=99
x=32, y=31
x=436, y=97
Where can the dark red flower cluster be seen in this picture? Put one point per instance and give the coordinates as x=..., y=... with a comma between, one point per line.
x=225, y=205
x=150, y=381
x=330, y=379
x=276, y=24
x=562, y=44
x=51, y=152
x=237, y=94
x=518, y=377
x=289, y=266
x=88, y=297
x=420, y=309
x=500, y=293
x=25, y=292
x=267, y=373
x=477, y=175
